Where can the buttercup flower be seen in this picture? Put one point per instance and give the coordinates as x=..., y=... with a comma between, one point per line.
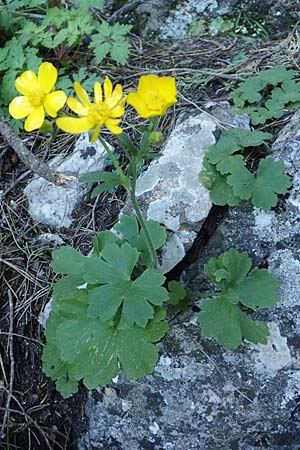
x=104, y=111
x=37, y=97
x=154, y=96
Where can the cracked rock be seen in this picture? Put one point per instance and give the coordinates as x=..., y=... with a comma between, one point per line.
x=201, y=397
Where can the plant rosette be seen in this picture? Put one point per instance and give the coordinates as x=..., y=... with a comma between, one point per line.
x=116, y=320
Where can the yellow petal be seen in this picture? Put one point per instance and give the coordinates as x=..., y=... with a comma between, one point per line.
x=27, y=82
x=118, y=111
x=166, y=106
x=115, y=97
x=95, y=133
x=82, y=94
x=77, y=107
x=139, y=105
x=112, y=125
x=47, y=76
x=19, y=107
x=107, y=88
x=54, y=102
x=167, y=89
x=74, y=125
x=147, y=83
x=35, y=119
x=97, y=92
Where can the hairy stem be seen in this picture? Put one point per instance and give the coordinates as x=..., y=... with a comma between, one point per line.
x=115, y=163
x=130, y=188
x=141, y=220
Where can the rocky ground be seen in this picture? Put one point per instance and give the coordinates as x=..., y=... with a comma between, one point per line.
x=200, y=397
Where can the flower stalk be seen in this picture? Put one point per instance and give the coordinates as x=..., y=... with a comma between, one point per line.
x=140, y=217
x=119, y=171
x=130, y=188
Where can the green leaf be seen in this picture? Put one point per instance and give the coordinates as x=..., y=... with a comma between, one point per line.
x=111, y=39
x=64, y=83
x=176, y=292
x=136, y=297
x=117, y=263
x=270, y=181
x=67, y=260
x=269, y=94
x=127, y=144
x=277, y=75
x=144, y=145
x=229, y=181
x=107, y=180
x=8, y=90
x=120, y=51
x=93, y=350
x=222, y=318
x=254, y=331
x=104, y=239
x=241, y=180
x=230, y=142
x=259, y=289
x=129, y=229
x=234, y=265
x=220, y=25
x=67, y=287
x=113, y=272
x=53, y=366
x=66, y=386
x=250, y=89
x=179, y=299
x=262, y=189
x=225, y=322
x=221, y=193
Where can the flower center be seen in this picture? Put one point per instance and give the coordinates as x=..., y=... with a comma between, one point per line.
x=156, y=103
x=99, y=113
x=36, y=97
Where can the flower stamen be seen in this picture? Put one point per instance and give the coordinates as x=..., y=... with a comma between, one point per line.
x=36, y=97
x=105, y=111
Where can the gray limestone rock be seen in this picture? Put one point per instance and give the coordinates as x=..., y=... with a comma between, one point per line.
x=169, y=191
x=201, y=397
x=53, y=205
x=173, y=19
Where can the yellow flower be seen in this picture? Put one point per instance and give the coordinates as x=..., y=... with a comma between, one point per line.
x=154, y=96
x=37, y=96
x=104, y=111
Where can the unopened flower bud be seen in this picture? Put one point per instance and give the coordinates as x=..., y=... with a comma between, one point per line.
x=156, y=137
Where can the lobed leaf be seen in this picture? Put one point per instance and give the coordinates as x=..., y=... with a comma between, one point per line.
x=92, y=350
x=130, y=231
x=221, y=193
x=234, y=265
x=270, y=181
x=252, y=97
x=222, y=318
x=229, y=325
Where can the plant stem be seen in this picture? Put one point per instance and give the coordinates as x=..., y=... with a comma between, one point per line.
x=116, y=164
x=131, y=192
x=141, y=220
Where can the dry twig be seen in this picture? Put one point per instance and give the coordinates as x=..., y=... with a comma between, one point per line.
x=12, y=363
x=124, y=10
x=32, y=162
